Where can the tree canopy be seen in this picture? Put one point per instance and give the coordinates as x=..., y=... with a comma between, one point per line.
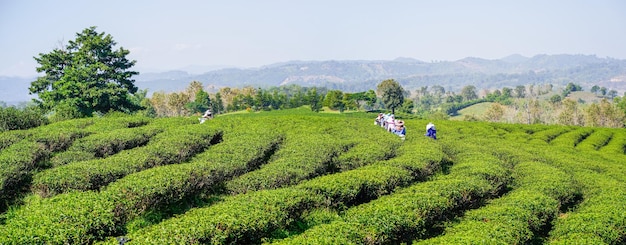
x=392, y=94
x=85, y=76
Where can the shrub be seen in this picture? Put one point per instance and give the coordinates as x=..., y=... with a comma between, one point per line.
x=13, y=119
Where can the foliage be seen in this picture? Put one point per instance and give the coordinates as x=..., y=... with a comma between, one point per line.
x=87, y=76
x=392, y=94
x=494, y=113
x=571, y=87
x=334, y=100
x=12, y=118
x=469, y=93
x=201, y=103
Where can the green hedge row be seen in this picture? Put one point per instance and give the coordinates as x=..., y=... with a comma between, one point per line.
x=249, y=218
x=520, y=216
x=572, y=138
x=417, y=159
x=240, y=219
x=401, y=216
x=117, y=121
x=600, y=217
x=11, y=137
x=597, y=140
x=19, y=161
x=206, y=172
x=550, y=134
x=12, y=118
x=172, y=146
x=134, y=194
x=105, y=144
x=300, y=158
x=372, y=144
x=83, y=218
x=408, y=213
x=330, y=145
x=617, y=144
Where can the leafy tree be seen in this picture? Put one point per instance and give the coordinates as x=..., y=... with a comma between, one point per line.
x=392, y=94
x=555, y=99
x=314, y=100
x=278, y=99
x=262, y=99
x=506, y=93
x=571, y=114
x=520, y=91
x=12, y=118
x=141, y=98
x=159, y=103
x=603, y=91
x=407, y=106
x=201, y=103
x=438, y=90
x=193, y=89
x=469, y=93
x=368, y=98
x=595, y=89
x=86, y=76
x=334, y=100
x=495, y=112
x=604, y=114
x=176, y=103
x=298, y=99
x=533, y=111
x=612, y=94
x=217, y=106
x=571, y=87
x=350, y=102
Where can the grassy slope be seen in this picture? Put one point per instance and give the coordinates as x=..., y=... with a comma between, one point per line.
x=476, y=110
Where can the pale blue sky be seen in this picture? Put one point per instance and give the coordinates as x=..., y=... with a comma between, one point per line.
x=166, y=35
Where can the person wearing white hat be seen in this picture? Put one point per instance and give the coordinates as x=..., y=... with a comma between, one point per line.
x=431, y=131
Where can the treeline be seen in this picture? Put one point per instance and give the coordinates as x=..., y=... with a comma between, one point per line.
x=532, y=104
x=196, y=100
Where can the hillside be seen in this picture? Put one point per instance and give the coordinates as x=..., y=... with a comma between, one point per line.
x=362, y=75
x=352, y=76
x=294, y=176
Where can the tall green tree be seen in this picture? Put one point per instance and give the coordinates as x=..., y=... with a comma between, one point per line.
x=86, y=76
x=595, y=89
x=392, y=94
x=201, y=103
x=314, y=100
x=217, y=106
x=334, y=100
x=469, y=93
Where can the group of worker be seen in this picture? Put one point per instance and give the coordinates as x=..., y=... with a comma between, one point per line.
x=391, y=124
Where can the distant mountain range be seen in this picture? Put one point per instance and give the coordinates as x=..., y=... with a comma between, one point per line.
x=361, y=75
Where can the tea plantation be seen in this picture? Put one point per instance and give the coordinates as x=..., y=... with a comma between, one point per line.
x=298, y=177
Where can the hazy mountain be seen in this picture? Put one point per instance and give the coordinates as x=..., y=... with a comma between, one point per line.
x=15, y=89
x=361, y=75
